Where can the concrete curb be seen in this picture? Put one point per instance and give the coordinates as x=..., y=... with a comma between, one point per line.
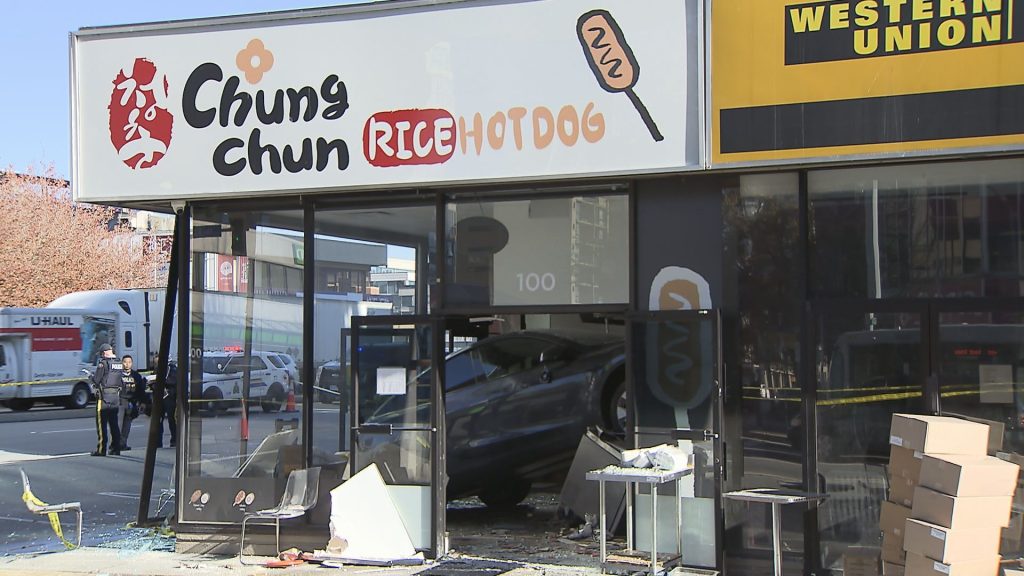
x=115, y=562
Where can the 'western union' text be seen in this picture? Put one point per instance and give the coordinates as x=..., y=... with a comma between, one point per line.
x=842, y=30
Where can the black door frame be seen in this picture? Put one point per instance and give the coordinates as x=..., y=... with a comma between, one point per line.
x=436, y=428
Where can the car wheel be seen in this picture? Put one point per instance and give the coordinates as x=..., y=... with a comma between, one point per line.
x=79, y=397
x=213, y=397
x=20, y=404
x=274, y=398
x=617, y=409
x=506, y=494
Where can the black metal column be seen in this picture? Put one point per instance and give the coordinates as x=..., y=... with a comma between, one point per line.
x=308, y=325
x=156, y=412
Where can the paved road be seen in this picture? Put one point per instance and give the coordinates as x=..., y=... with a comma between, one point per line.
x=55, y=455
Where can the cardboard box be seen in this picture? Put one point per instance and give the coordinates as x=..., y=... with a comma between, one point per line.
x=904, y=462
x=860, y=561
x=996, y=430
x=890, y=569
x=950, y=545
x=892, y=550
x=893, y=520
x=901, y=491
x=918, y=565
x=959, y=475
x=938, y=434
x=961, y=511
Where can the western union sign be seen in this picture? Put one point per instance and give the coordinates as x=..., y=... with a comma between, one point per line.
x=870, y=28
x=810, y=80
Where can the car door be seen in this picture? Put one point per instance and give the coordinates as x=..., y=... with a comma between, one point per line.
x=546, y=402
x=522, y=426
x=467, y=397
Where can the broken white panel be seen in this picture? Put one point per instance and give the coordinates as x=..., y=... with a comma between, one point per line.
x=390, y=381
x=364, y=515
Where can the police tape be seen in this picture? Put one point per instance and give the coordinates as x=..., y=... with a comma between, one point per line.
x=869, y=399
x=68, y=381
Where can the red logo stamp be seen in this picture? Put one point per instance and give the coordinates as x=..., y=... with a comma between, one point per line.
x=140, y=124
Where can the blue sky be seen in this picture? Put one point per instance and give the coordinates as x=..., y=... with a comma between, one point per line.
x=34, y=106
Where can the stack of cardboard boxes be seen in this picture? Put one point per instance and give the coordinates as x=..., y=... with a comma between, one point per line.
x=948, y=500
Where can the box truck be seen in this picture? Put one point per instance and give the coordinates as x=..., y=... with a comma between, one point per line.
x=43, y=351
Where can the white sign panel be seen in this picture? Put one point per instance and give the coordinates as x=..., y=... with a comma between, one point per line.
x=461, y=92
x=391, y=381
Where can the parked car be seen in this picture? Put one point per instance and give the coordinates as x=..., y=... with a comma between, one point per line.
x=223, y=374
x=285, y=362
x=517, y=406
x=328, y=383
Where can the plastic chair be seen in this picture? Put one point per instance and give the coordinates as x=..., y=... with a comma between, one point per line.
x=300, y=494
x=37, y=506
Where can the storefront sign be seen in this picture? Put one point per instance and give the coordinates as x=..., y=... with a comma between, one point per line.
x=457, y=92
x=816, y=80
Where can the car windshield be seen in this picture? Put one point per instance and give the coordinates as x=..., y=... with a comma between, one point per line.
x=275, y=360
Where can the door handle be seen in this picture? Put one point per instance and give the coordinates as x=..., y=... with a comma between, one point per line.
x=389, y=429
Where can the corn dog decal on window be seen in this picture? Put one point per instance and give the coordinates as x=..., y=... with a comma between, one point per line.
x=612, y=60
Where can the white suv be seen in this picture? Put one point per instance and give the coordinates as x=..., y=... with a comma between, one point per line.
x=223, y=379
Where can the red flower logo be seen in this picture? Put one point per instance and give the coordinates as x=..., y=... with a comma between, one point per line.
x=140, y=125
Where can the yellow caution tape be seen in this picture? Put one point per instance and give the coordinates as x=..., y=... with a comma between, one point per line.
x=30, y=498
x=84, y=378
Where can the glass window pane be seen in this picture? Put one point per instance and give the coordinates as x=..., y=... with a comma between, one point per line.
x=228, y=450
x=369, y=262
x=869, y=367
x=569, y=250
x=761, y=216
x=923, y=231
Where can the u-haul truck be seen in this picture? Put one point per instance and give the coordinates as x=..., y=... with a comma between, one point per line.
x=44, y=350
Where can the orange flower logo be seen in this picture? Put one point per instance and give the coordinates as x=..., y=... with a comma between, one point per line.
x=254, y=60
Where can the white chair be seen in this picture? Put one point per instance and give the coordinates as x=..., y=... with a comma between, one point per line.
x=37, y=506
x=300, y=494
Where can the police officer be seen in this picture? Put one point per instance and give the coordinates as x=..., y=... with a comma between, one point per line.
x=170, y=405
x=106, y=382
x=133, y=393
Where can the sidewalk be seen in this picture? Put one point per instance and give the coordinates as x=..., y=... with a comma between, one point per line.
x=121, y=562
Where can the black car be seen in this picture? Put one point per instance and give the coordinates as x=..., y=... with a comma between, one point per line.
x=517, y=406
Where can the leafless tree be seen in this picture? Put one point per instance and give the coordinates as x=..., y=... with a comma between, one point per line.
x=51, y=246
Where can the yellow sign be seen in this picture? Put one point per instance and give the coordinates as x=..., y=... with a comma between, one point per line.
x=818, y=79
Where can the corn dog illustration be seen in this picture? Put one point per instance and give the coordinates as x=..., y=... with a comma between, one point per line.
x=612, y=60
x=239, y=497
x=195, y=496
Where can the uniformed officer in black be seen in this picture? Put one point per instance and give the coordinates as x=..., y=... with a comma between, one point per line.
x=106, y=382
x=133, y=394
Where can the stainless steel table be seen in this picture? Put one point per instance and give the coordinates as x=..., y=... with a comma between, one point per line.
x=777, y=498
x=631, y=476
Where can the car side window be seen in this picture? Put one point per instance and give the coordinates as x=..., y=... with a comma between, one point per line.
x=3, y=356
x=276, y=361
x=210, y=365
x=462, y=369
x=258, y=363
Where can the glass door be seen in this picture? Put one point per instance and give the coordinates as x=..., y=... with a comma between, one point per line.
x=870, y=361
x=397, y=413
x=675, y=383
